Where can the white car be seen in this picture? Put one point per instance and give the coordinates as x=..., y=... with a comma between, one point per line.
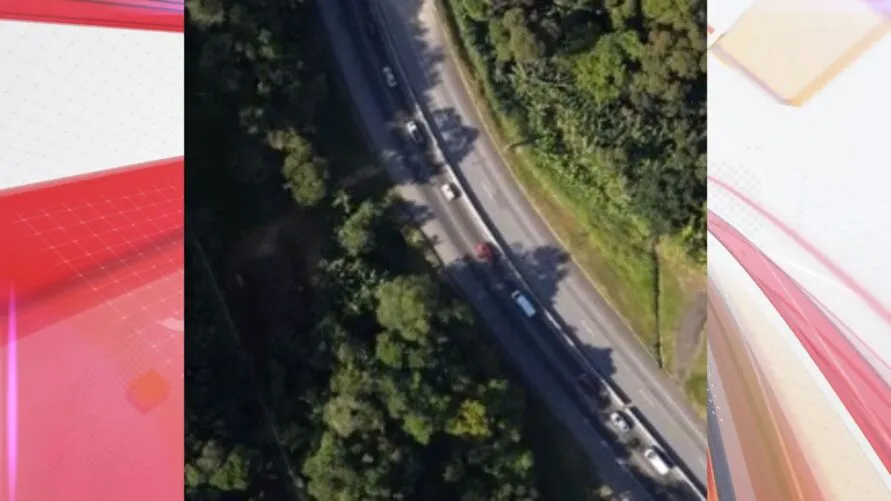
x=617, y=419
x=449, y=192
x=414, y=131
x=389, y=77
x=657, y=461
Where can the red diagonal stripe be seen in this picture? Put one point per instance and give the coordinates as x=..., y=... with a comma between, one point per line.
x=836, y=270
x=863, y=392
x=158, y=15
x=712, y=490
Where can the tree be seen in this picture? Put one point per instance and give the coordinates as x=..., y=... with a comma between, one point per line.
x=225, y=470
x=524, y=44
x=471, y=421
x=419, y=426
x=477, y=9
x=605, y=71
x=329, y=473
x=406, y=305
x=390, y=351
x=356, y=235
x=206, y=13
x=306, y=175
x=346, y=414
x=289, y=141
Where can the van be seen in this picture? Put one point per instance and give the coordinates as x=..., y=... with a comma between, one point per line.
x=523, y=303
x=657, y=461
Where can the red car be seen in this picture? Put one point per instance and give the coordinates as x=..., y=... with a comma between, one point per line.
x=485, y=251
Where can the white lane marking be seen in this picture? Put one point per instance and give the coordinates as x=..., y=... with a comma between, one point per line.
x=489, y=190
x=646, y=395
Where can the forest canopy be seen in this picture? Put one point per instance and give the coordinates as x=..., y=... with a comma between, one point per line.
x=604, y=90
x=352, y=373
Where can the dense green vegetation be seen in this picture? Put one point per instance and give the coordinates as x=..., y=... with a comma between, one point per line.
x=603, y=103
x=346, y=370
x=606, y=90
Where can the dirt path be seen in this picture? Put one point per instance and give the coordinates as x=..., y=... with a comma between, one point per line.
x=265, y=281
x=689, y=336
x=286, y=234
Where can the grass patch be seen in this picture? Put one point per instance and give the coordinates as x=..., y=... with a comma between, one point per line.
x=697, y=380
x=605, y=243
x=674, y=296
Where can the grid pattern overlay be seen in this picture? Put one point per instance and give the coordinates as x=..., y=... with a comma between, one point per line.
x=98, y=251
x=97, y=266
x=103, y=229
x=115, y=246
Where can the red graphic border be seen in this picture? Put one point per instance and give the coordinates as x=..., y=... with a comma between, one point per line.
x=146, y=15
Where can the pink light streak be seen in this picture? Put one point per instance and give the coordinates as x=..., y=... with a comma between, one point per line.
x=12, y=384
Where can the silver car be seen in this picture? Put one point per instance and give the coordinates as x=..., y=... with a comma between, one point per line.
x=448, y=191
x=657, y=461
x=619, y=421
x=414, y=131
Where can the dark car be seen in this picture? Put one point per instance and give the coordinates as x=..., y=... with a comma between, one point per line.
x=594, y=388
x=589, y=385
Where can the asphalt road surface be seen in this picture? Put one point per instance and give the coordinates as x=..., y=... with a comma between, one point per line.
x=533, y=346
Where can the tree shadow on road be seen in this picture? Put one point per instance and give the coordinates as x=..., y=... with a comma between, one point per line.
x=455, y=138
x=542, y=267
x=365, y=46
x=413, y=212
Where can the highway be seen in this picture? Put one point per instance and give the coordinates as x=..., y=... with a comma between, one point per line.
x=547, y=355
